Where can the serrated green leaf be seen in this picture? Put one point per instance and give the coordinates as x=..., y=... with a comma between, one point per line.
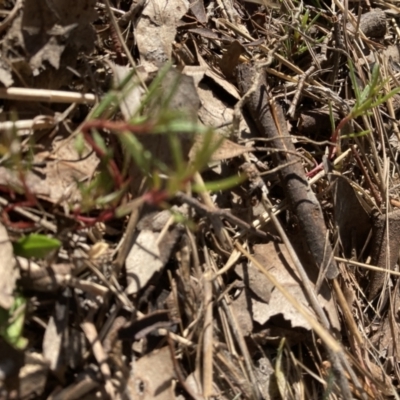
x=35, y=245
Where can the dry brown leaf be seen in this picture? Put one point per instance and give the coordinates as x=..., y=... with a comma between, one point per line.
x=278, y=263
x=51, y=32
x=156, y=31
x=351, y=217
x=230, y=59
x=8, y=271
x=152, y=376
x=240, y=306
x=147, y=257
x=54, y=343
x=197, y=9
x=254, y=279
x=33, y=376
x=62, y=170
x=132, y=99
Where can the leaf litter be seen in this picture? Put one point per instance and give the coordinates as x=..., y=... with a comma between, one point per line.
x=199, y=199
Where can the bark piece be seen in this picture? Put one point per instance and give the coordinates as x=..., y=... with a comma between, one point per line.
x=385, y=248
x=302, y=199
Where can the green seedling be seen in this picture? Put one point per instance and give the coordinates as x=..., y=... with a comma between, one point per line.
x=35, y=245
x=12, y=323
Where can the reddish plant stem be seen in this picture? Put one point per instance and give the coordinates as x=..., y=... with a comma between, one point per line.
x=333, y=147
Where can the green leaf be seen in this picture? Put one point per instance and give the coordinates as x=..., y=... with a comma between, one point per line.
x=12, y=323
x=79, y=144
x=35, y=245
x=355, y=134
x=222, y=184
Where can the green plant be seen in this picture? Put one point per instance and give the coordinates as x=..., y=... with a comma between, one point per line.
x=154, y=117
x=35, y=245
x=12, y=323
x=370, y=97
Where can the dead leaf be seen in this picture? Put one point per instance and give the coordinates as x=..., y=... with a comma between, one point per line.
x=197, y=9
x=33, y=376
x=147, y=257
x=255, y=280
x=351, y=217
x=62, y=170
x=54, y=350
x=156, y=31
x=241, y=306
x=278, y=263
x=132, y=99
x=152, y=375
x=53, y=32
x=8, y=270
x=230, y=59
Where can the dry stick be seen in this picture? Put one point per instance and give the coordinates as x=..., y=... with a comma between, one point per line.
x=122, y=42
x=240, y=341
x=100, y=355
x=51, y=96
x=283, y=205
x=208, y=337
x=205, y=211
x=299, y=89
x=366, y=175
x=217, y=224
x=301, y=197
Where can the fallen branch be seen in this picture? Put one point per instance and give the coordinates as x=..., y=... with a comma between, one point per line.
x=271, y=123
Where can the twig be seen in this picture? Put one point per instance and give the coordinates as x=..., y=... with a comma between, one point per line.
x=205, y=211
x=271, y=123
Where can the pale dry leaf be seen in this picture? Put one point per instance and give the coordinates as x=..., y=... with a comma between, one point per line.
x=196, y=72
x=8, y=270
x=54, y=336
x=198, y=10
x=255, y=280
x=215, y=113
x=12, y=179
x=63, y=170
x=147, y=257
x=5, y=74
x=240, y=307
x=220, y=81
x=33, y=375
x=152, y=376
x=132, y=99
x=278, y=263
x=143, y=261
x=156, y=31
